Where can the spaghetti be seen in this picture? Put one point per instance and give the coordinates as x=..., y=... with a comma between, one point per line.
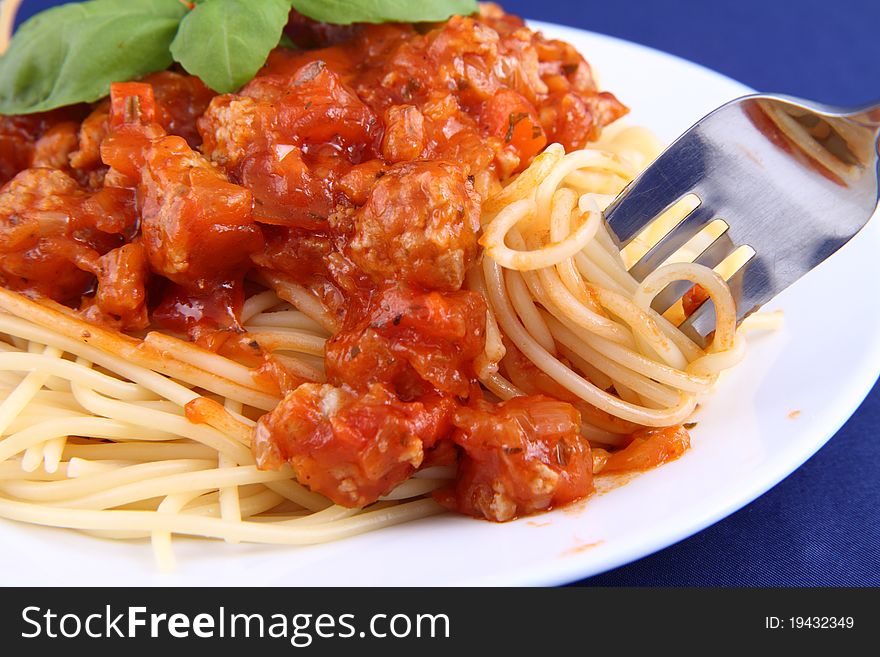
x=263, y=330
x=137, y=467
x=8, y=10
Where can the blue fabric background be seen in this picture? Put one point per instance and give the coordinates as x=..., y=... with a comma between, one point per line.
x=821, y=526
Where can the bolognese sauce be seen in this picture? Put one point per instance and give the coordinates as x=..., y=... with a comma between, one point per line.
x=355, y=166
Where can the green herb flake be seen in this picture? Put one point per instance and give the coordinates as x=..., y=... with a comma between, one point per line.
x=512, y=120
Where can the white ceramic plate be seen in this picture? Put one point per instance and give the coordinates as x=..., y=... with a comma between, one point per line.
x=746, y=441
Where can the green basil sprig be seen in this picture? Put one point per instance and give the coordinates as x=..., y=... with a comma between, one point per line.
x=225, y=42
x=72, y=53
x=345, y=12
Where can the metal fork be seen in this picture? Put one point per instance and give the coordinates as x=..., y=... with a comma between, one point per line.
x=794, y=180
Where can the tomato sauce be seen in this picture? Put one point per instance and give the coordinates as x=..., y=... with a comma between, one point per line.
x=355, y=165
x=648, y=449
x=518, y=457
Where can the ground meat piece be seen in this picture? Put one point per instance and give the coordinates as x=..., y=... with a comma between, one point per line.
x=419, y=225
x=19, y=136
x=37, y=209
x=404, y=133
x=411, y=341
x=352, y=448
x=122, y=276
x=53, y=149
x=195, y=223
x=32, y=208
x=465, y=53
x=520, y=456
x=91, y=133
x=228, y=128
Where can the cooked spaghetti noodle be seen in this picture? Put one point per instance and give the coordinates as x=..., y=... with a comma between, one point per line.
x=8, y=10
x=351, y=387
x=137, y=467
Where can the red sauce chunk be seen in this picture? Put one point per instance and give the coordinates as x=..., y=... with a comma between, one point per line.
x=648, y=449
x=351, y=447
x=693, y=299
x=418, y=226
x=414, y=342
x=196, y=224
x=519, y=457
x=354, y=166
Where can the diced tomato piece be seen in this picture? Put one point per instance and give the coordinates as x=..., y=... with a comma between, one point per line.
x=124, y=150
x=511, y=117
x=131, y=103
x=693, y=299
x=649, y=448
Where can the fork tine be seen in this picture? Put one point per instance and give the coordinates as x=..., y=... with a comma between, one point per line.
x=779, y=189
x=702, y=322
x=692, y=224
x=752, y=287
x=716, y=252
x=710, y=257
x=672, y=293
x=675, y=173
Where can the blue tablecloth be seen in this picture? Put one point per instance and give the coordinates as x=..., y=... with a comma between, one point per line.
x=821, y=526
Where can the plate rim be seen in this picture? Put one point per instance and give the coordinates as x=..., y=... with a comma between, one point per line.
x=553, y=571
x=560, y=572
x=559, y=575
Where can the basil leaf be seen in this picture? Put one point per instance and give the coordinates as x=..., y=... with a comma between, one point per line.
x=225, y=42
x=345, y=12
x=70, y=54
